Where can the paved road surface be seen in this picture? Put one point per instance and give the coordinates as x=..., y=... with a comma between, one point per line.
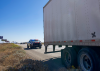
x=52, y=59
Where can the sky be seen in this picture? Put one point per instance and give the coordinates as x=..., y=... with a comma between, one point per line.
x=21, y=20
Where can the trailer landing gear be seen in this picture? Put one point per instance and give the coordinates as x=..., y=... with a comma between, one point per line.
x=53, y=48
x=45, y=49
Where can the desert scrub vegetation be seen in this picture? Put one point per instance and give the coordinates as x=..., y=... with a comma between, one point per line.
x=10, y=55
x=13, y=58
x=29, y=65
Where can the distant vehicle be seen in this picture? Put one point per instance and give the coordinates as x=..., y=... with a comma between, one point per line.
x=34, y=43
x=21, y=43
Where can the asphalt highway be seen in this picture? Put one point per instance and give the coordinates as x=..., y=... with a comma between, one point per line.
x=53, y=59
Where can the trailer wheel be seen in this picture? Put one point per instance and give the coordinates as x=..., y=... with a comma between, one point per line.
x=69, y=57
x=88, y=60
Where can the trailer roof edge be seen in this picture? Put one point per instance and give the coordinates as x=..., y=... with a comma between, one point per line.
x=47, y=3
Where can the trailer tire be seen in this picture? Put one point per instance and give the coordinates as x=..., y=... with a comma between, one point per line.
x=88, y=60
x=69, y=57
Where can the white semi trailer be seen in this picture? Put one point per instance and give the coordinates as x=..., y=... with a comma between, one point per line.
x=75, y=23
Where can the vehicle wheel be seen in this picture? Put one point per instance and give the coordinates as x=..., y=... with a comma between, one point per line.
x=69, y=57
x=27, y=46
x=88, y=60
x=30, y=47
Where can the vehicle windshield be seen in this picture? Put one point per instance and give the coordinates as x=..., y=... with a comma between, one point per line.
x=35, y=40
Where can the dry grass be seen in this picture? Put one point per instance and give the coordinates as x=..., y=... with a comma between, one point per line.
x=10, y=54
x=13, y=58
x=29, y=65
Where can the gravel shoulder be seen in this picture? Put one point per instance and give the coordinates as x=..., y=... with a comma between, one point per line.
x=53, y=60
